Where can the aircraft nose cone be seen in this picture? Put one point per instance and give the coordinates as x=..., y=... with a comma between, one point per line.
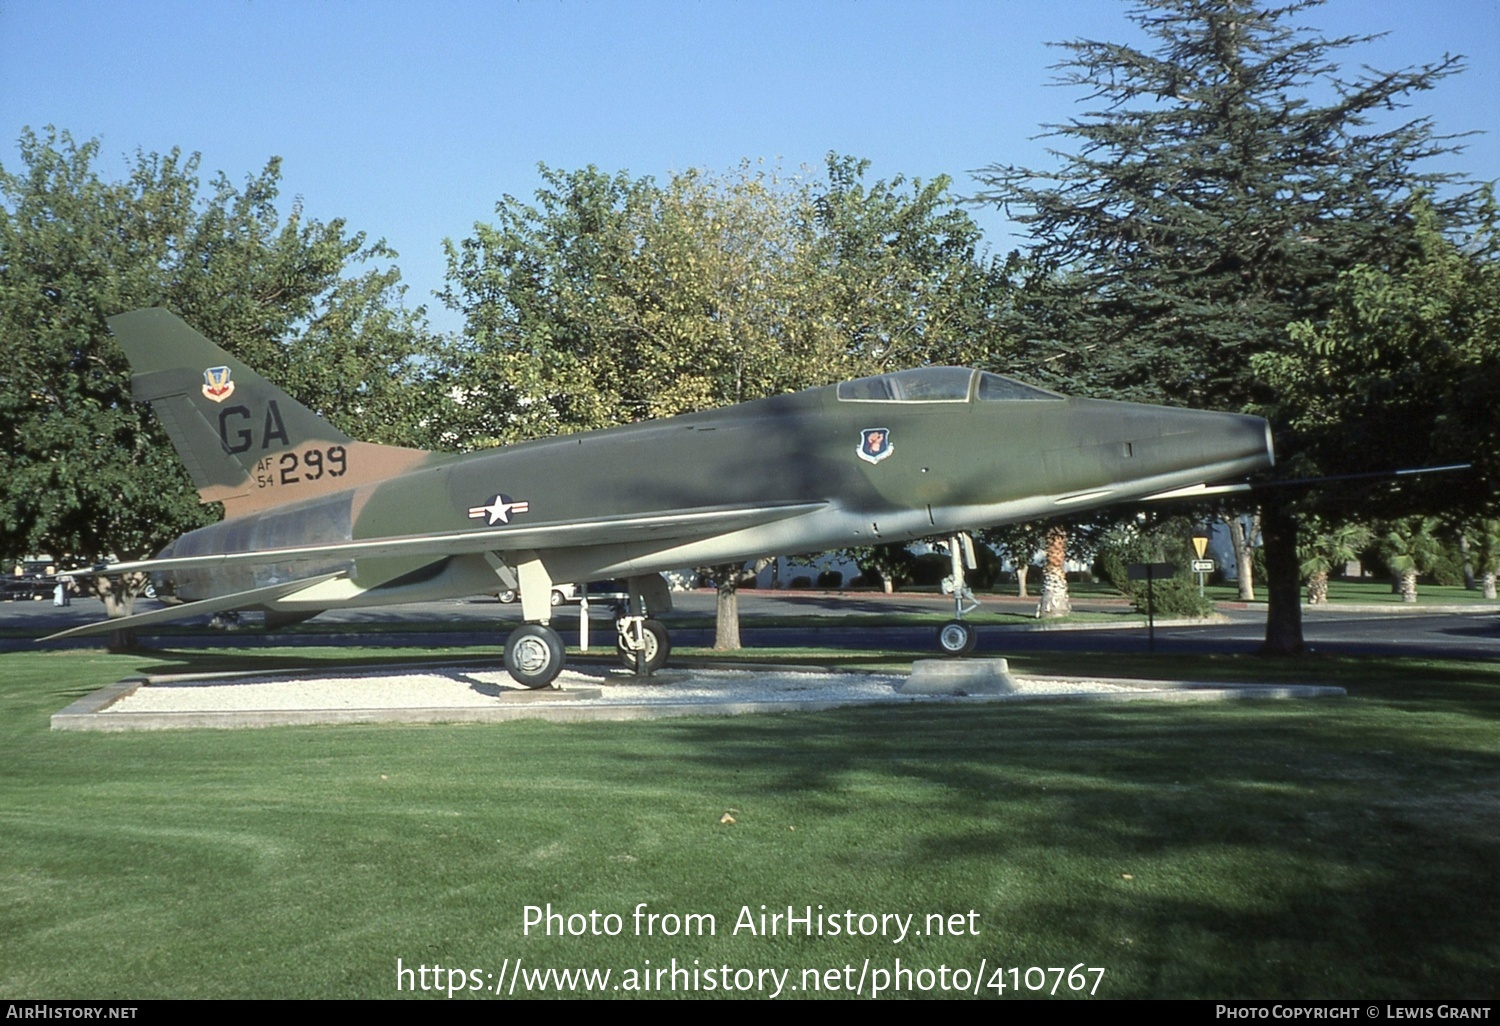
x=1256, y=432
x=1207, y=439
x=1238, y=433
x=1214, y=437
x=1171, y=440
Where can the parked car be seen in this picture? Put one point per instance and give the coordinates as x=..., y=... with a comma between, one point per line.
x=561, y=593
x=602, y=593
x=34, y=587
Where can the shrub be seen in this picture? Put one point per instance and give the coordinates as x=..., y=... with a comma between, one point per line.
x=1448, y=571
x=1110, y=566
x=1176, y=597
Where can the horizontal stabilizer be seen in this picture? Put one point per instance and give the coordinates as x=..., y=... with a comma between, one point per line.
x=188, y=610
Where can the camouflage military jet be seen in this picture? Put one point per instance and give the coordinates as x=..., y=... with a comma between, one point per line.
x=315, y=520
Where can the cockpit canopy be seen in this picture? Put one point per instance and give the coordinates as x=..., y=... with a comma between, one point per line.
x=938, y=385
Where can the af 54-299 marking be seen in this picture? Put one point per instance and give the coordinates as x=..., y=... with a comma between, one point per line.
x=291, y=467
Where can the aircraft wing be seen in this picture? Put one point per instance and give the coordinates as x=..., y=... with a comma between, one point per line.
x=559, y=534
x=238, y=600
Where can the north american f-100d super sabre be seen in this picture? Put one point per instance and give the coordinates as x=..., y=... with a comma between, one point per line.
x=315, y=520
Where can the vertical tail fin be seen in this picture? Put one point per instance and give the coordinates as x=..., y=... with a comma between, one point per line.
x=245, y=442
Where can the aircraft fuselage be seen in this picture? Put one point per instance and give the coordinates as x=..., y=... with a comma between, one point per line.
x=884, y=459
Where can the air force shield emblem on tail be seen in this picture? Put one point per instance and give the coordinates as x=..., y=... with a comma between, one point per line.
x=875, y=444
x=216, y=384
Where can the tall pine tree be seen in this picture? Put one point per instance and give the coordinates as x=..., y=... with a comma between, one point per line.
x=1211, y=196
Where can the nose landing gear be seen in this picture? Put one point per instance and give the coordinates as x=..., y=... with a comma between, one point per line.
x=957, y=638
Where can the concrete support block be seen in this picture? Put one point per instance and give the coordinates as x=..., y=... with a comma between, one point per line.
x=959, y=677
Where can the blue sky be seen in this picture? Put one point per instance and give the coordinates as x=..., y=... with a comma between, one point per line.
x=410, y=120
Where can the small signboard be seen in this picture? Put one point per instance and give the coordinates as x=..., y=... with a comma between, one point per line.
x=1204, y=566
x=1150, y=571
x=1200, y=544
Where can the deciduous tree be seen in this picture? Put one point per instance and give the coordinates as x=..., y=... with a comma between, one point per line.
x=87, y=475
x=1405, y=362
x=612, y=299
x=1210, y=197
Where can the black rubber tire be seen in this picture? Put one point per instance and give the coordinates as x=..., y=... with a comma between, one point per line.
x=534, y=655
x=658, y=647
x=956, y=638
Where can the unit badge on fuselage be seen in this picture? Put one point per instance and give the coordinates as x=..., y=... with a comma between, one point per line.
x=875, y=444
x=498, y=510
x=216, y=384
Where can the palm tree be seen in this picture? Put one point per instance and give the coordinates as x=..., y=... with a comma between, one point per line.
x=1411, y=547
x=1055, y=600
x=1327, y=546
x=1487, y=553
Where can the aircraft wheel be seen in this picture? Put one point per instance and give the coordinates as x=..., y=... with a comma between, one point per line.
x=658, y=647
x=956, y=638
x=534, y=655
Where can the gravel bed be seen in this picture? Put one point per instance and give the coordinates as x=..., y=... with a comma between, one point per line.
x=459, y=688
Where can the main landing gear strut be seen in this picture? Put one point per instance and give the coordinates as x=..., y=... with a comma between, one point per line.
x=643, y=643
x=957, y=637
x=534, y=652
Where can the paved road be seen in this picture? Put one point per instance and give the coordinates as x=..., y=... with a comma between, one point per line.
x=1445, y=635
x=1450, y=635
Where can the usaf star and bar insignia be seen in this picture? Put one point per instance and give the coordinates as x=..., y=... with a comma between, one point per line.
x=875, y=444
x=498, y=510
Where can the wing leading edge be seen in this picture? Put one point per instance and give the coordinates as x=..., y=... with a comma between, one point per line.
x=542, y=537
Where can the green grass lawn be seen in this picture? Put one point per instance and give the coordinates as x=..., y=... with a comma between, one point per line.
x=1376, y=592
x=1282, y=849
